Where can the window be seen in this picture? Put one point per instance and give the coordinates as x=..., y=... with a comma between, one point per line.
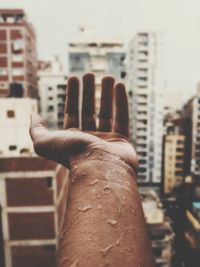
x=17, y=58
x=10, y=113
x=18, y=45
x=49, y=182
x=18, y=72
x=24, y=151
x=12, y=148
x=3, y=72
x=50, y=108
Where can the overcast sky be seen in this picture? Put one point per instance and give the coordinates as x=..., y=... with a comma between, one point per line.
x=56, y=21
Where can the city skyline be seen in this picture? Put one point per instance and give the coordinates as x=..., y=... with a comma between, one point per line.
x=123, y=19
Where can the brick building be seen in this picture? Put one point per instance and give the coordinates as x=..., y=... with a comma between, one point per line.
x=18, y=56
x=33, y=194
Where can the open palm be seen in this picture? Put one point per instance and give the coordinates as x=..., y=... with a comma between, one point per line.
x=111, y=136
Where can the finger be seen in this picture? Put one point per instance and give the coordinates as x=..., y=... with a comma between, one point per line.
x=88, y=106
x=106, y=108
x=71, y=115
x=121, y=121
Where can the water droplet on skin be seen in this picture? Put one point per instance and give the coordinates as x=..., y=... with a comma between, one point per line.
x=118, y=240
x=94, y=182
x=107, y=189
x=75, y=264
x=132, y=210
x=98, y=196
x=104, y=251
x=84, y=208
x=99, y=207
x=111, y=222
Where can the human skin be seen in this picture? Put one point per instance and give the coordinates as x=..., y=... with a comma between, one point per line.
x=104, y=223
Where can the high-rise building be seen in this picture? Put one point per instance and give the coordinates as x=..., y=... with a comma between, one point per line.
x=14, y=124
x=173, y=161
x=99, y=55
x=145, y=85
x=33, y=196
x=191, y=129
x=18, y=56
x=195, y=161
x=52, y=83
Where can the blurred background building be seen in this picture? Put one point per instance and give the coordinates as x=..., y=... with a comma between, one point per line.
x=52, y=82
x=18, y=53
x=99, y=55
x=145, y=88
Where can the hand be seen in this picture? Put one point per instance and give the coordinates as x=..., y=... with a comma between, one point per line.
x=71, y=143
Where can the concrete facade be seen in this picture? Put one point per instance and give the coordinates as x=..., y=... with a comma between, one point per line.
x=52, y=84
x=145, y=85
x=18, y=55
x=14, y=124
x=99, y=55
x=33, y=197
x=174, y=151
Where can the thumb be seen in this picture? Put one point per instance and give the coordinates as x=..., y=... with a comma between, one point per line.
x=60, y=145
x=46, y=143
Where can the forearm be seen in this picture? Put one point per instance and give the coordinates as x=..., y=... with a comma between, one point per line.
x=104, y=223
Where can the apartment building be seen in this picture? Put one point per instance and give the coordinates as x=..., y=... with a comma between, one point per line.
x=33, y=196
x=195, y=161
x=145, y=83
x=191, y=129
x=14, y=124
x=99, y=55
x=173, y=161
x=52, y=84
x=18, y=55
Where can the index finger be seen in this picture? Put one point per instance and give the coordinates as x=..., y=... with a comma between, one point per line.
x=71, y=114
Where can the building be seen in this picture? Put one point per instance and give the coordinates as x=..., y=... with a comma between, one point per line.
x=161, y=233
x=173, y=161
x=195, y=161
x=52, y=83
x=191, y=129
x=145, y=85
x=18, y=56
x=186, y=127
x=14, y=124
x=187, y=223
x=99, y=55
x=33, y=196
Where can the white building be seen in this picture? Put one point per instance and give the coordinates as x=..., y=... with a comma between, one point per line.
x=145, y=85
x=52, y=82
x=195, y=133
x=14, y=124
x=99, y=55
